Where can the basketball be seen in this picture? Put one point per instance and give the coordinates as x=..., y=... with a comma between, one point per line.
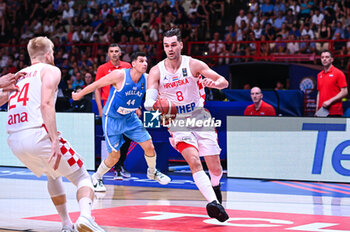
x=165, y=107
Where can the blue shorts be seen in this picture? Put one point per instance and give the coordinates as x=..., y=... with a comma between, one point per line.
x=129, y=125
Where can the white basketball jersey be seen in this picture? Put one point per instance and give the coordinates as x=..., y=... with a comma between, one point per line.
x=181, y=87
x=24, y=106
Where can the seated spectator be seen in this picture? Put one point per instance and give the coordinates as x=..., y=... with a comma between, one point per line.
x=307, y=47
x=254, y=7
x=267, y=8
x=78, y=81
x=259, y=107
x=241, y=16
x=293, y=46
x=280, y=47
x=317, y=19
x=216, y=47
x=295, y=31
x=277, y=25
x=279, y=7
x=307, y=31
x=290, y=18
x=305, y=8
x=338, y=29
x=295, y=7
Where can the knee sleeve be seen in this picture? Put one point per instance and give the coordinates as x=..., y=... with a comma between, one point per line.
x=80, y=178
x=55, y=186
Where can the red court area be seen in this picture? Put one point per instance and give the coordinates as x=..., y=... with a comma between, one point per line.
x=182, y=218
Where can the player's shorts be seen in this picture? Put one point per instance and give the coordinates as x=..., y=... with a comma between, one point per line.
x=129, y=125
x=33, y=148
x=205, y=139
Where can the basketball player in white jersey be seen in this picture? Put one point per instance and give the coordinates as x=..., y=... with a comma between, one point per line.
x=34, y=139
x=176, y=78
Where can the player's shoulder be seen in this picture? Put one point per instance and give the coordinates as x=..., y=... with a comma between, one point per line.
x=155, y=69
x=51, y=68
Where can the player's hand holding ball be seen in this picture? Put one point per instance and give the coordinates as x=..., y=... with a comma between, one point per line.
x=166, y=108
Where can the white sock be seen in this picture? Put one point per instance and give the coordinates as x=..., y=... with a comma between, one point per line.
x=63, y=213
x=151, y=161
x=203, y=183
x=215, y=180
x=85, y=205
x=101, y=170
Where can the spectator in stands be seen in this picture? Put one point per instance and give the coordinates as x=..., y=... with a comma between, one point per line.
x=294, y=6
x=307, y=47
x=295, y=31
x=338, y=29
x=290, y=18
x=241, y=16
x=277, y=24
x=279, y=7
x=254, y=7
x=78, y=81
x=267, y=8
x=284, y=32
x=280, y=46
x=292, y=46
x=259, y=107
x=331, y=86
x=316, y=19
x=216, y=48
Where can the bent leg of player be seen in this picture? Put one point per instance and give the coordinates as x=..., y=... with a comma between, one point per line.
x=187, y=144
x=150, y=156
x=114, y=140
x=104, y=167
x=85, y=196
x=58, y=197
x=140, y=135
x=215, y=172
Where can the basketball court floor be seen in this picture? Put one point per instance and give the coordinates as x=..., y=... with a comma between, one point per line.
x=138, y=204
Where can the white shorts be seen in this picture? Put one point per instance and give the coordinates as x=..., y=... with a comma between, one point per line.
x=206, y=142
x=205, y=139
x=33, y=148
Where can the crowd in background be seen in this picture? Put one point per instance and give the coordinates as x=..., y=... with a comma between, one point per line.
x=74, y=25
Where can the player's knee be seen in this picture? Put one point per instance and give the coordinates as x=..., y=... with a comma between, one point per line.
x=149, y=148
x=55, y=187
x=80, y=178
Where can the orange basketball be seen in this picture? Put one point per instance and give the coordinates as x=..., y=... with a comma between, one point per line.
x=165, y=107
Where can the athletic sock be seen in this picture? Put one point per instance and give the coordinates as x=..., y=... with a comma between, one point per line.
x=63, y=213
x=215, y=180
x=151, y=161
x=203, y=183
x=85, y=205
x=101, y=170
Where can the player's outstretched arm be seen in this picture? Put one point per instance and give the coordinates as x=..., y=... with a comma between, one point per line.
x=50, y=78
x=110, y=79
x=152, y=87
x=212, y=79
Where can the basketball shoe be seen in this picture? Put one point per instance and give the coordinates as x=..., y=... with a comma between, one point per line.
x=68, y=229
x=215, y=210
x=158, y=176
x=98, y=184
x=87, y=224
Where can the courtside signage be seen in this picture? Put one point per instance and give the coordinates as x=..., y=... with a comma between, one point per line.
x=77, y=128
x=315, y=149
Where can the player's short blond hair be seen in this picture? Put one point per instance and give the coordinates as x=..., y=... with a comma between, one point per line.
x=39, y=46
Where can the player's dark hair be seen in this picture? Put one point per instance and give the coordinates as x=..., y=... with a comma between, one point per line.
x=112, y=45
x=330, y=53
x=137, y=54
x=174, y=32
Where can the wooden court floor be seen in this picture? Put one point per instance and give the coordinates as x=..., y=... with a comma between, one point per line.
x=25, y=206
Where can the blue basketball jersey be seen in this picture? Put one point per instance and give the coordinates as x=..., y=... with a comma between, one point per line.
x=126, y=100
